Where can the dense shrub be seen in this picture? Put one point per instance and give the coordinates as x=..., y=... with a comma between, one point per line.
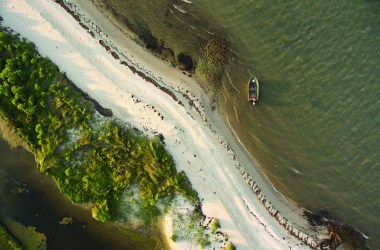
x=214, y=57
x=7, y=241
x=214, y=225
x=90, y=161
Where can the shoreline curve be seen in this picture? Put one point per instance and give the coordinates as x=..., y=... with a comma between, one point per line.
x=194, y=106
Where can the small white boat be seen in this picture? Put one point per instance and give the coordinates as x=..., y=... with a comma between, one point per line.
x=253, y=90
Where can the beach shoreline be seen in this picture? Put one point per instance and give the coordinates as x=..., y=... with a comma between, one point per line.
x=185, y=123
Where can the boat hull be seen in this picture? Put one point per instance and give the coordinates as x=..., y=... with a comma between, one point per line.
x=253, y=90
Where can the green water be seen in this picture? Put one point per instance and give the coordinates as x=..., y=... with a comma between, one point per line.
x=315, y=129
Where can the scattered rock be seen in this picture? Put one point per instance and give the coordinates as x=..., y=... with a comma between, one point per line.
x=185, y=62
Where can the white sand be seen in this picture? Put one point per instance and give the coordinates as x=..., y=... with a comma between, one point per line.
x=199, y=148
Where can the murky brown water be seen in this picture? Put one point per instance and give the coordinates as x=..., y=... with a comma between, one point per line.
x=43, y=206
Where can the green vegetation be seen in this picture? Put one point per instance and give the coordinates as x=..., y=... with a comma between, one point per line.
x=216, y=50
x=214, y=225
x=208, y=70
x=28, y=236
x=92, y=159
x=7, y=241
x=213, y=59
x=141, y=240
x=66, y=221
x=186, y=227
x=174, y=237
x=10, y=135
x=229, y=246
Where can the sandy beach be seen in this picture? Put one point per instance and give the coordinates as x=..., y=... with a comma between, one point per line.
x=166, y=101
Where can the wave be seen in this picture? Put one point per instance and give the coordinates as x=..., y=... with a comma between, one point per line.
x=179, y=8
x=296, y=171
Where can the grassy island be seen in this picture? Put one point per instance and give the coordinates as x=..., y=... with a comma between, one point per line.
x=92, y=158
x=7, y=241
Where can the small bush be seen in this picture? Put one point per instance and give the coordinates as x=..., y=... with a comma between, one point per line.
x=216, y=50
x=230, y=246
x=174, y=237
x=7, y=241
x=186, y=227
x=91, y=159
x=208, y=70
x=101, y=211
x=214, y=56
x=214, y=225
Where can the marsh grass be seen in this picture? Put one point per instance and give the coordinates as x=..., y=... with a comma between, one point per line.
x=187, y=223
x=7, y=241
x=209, y=71
x=229, y=246
x=29, y=237
x=214, y=225
x=10, y=135
x=92, y=160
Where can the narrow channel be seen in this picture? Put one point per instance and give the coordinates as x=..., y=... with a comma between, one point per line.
x=38, y=203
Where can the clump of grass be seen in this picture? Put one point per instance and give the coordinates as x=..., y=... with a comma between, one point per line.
x=7, y=241
x=174, y=237
x=10, y=135
x=214, y=225
x=229, y=246
x=209, y=71
x=214, y=56
x=217, y=49
x=28, y=236
x=66, y=221
x=187, y=225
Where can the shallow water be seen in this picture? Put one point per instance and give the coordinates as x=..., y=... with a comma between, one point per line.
x=43, y=207
x=315, y=129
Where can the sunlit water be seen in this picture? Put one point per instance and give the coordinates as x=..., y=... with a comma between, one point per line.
x=315, y=129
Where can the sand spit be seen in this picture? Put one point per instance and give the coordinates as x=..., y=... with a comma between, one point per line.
x=159, y=99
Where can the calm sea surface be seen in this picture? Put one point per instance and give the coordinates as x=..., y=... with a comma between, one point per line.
x=315, y=130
